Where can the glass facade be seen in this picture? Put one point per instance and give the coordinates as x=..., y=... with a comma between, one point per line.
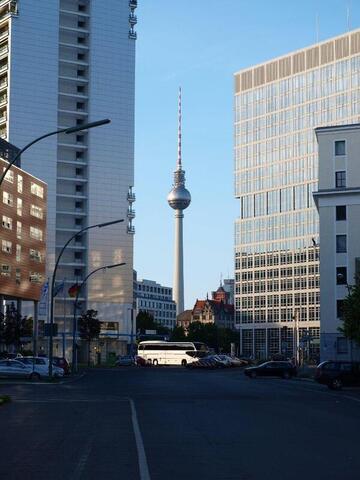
x=277, y=106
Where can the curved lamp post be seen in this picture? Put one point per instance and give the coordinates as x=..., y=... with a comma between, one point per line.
x=77, y=128
x=80, y=232
x=74, y=356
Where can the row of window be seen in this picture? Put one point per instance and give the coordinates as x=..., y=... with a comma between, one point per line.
x=35, y=211
x=279, y=315
x=262, y=301
x=158, y=305
x=153, y=289
x=34, y=277
x=7, y=247
x=35, y=232
x=35, y=189
x=276, y=258
x=278, y=272
x=300, y=283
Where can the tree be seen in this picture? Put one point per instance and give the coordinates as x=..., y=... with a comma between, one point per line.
x=145, y=321
x=13, y=327
x=350, y=327
x=89, y=328
x=178, y=335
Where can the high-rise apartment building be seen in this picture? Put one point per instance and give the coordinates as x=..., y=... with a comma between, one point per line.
x=64, y=63
x=277, y=106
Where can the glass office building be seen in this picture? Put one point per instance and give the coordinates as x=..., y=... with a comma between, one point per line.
x=277, y=106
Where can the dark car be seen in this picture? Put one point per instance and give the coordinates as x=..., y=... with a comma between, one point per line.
x=337, y=374
x=125, y=361
x=62, y=363
x=272, y=369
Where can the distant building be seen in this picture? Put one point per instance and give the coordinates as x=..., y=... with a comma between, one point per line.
x=23, y=200
x=338, y=204
x=229, y=286
x=213, y=311
x=184, y=319
x=157, y=300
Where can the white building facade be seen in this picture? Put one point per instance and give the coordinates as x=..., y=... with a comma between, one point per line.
x=63, y=63
x=338, y=203
x=157, y=300
x=277, y=106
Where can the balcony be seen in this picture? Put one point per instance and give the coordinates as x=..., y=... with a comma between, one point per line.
x=131, y=197
x=131, y=229
x=3, y=100
x=72, y=112
x=132, y=19
x=72, y=162
x=73, y=95
x=4, y=50
x=74, y=79
x=75, y=212
x=73, y=179
x=3, y=118
x=3, y=68
x=74, y=45
x=77, y=13
x=4, y=34
x=77, y=195
x=132, y=35
x=67, y=61
x=72, y=145
x=133, y=4
x=74, y=29
x=130, y=213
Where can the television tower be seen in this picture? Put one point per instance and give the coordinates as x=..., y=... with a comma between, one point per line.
x=179, y=198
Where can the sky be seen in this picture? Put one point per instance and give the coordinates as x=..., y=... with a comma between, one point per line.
x=199, y=45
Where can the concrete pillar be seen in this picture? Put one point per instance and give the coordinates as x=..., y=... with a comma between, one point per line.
x=179, y=263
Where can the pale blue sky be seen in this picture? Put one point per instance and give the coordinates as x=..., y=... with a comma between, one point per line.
x=199, y=44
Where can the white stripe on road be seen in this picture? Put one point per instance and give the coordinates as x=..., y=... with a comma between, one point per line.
x=143, y=465
x=83, y=460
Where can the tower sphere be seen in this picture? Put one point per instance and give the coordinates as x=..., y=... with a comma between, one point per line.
x=179, y=198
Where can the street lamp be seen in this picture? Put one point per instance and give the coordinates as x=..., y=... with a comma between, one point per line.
x=106, y=267
x=80, y=232
x=77, y=128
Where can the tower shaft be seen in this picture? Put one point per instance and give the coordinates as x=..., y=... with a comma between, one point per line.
x=178, y=285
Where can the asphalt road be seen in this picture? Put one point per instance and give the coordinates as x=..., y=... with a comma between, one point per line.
x=175, y=424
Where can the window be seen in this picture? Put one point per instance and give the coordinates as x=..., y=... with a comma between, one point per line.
x=78, y=221
x=79, y=172
x=79, y=121
x=18, y=229
x=78, y=205
x=79, y=154
x=80, y=88
x=7, y=222
x=82, y=8
x=36, y=233
x=6, y=246
x=81, y=24
x=35, y=255
x=339, y=147
x=340, y=213
x=18, y=276
x=80, y=138
x=19, y=184
x=18, y=253
x=19, y=207
x=341, y=275
x=36, y=211
x=77, y=272
x=80, y=73
x=8, y=199
x=340, y=243
x=37, y=190
x=35, y=277
x=339, y=308
x=5, y=270
x=340, y=179
x=81, y=39
x=81, y=56
x=80, y=105
x=78, y=188
x=9, y=177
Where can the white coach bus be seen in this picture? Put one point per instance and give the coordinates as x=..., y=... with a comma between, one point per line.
x=159, y=352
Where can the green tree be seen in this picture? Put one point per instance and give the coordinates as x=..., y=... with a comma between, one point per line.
x=350, y=327
x=178, y=335
x=89, y=328
x=13, y=327
x=145, y=321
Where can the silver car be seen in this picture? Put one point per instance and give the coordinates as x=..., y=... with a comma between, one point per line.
x=40, y=367
x=15, y=369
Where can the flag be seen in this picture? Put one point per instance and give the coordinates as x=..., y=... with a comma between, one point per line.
x=44, y=301
x=73, y=290
x=59, y=288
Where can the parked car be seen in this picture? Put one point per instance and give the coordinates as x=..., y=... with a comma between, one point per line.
x=61, y=362
x=15, y=369
x=10, y=356
x=224, y=360
x=238, y=362
x=40, y=367
x=211, y=361
x=272, y=369
x=141, y=362
x=338, y=374
x=125, y=361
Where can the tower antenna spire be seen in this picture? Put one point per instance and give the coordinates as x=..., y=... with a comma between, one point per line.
x=179, y=132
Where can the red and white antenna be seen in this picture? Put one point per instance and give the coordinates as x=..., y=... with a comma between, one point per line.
x=179, y=132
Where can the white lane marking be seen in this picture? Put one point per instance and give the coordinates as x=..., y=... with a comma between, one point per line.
x=143, y=465
x=83, y=460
